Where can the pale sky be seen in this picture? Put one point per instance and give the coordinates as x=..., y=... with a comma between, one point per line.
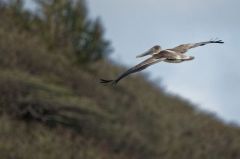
x=211, y=81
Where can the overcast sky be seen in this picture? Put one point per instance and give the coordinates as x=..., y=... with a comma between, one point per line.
x=211, y=80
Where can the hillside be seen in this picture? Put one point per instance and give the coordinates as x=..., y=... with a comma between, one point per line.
x=52, y=106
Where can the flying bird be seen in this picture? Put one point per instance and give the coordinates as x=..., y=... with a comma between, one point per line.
x=173, y=55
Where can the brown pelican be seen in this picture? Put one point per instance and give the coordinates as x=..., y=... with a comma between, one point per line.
x=174, y=55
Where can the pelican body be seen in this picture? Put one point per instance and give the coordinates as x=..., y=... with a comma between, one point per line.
x=174, y=55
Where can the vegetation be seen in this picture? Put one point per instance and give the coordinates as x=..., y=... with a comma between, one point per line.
x=52, y=106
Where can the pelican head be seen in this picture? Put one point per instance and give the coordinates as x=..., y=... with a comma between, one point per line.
x=156, y=48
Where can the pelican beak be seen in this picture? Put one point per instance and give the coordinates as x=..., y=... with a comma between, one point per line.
x=149, y=52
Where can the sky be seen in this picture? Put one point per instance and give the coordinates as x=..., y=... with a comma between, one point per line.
x=211, y=80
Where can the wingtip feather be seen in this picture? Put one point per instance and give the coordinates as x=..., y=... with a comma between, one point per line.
x=112, y=82
x=217, y=41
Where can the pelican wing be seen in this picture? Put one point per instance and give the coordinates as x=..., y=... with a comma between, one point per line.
x=185, y=47
x=154, y=50
x=141, y=66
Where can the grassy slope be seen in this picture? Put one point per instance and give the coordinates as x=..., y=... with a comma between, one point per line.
x=51, y=108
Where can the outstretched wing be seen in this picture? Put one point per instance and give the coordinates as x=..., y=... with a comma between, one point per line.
x=185, y=47
x=141, y=66
x=154, y=50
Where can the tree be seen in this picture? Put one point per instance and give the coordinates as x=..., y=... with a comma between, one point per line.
x=63, y=25
x=66, y=24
